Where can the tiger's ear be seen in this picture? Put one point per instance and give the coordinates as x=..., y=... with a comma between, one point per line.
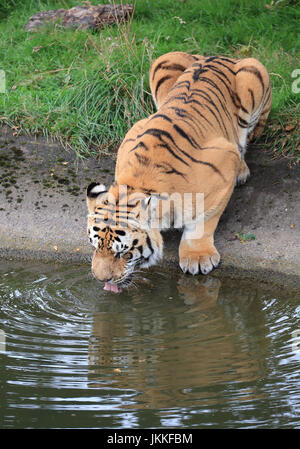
x=94, y=189
x=93, y=192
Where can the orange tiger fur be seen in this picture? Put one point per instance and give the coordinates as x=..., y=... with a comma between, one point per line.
x=208, y=108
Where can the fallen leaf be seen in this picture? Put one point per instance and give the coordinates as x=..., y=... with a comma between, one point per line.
x=292, y=225
x=36, y=49
x=290, y=127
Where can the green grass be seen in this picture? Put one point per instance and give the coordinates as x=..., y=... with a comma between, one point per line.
x=245, y=237
x=89, y=88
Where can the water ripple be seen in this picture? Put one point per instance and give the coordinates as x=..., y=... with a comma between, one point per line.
x=177, y=351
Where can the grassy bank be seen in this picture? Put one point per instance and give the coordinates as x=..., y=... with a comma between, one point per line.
x=88, y=88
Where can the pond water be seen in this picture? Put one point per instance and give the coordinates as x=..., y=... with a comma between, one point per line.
x=174, y=351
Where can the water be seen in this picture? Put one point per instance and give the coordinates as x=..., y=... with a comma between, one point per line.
x=177, y=351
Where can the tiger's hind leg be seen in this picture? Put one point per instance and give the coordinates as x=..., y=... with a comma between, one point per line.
x=254, y=96
x=243, y=174
x=257, y=131
x=166, y=70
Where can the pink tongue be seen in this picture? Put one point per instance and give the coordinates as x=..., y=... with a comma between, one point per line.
x=112, y=287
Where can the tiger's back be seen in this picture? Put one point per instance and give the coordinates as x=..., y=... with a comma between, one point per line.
x=200, y=99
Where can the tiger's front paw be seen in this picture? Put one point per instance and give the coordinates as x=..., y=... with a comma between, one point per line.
x=199, y=262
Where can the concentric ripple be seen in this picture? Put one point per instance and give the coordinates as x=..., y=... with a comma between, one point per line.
x=174, y=351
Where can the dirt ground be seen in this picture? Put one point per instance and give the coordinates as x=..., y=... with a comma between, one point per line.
x=43, y=211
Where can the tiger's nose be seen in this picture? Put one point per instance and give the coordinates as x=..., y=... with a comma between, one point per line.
x=106, y=279
x=102, y=278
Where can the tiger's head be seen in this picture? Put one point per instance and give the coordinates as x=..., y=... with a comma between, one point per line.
x=123, y=241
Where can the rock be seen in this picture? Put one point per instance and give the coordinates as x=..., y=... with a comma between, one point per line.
x=82, y=17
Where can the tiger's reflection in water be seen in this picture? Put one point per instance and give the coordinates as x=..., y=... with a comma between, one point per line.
x=180, y=347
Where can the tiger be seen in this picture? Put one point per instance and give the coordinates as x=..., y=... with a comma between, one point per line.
x=207, y=110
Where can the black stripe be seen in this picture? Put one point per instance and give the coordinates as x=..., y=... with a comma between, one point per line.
x=126, y=205
x=163, y=116
x=138, y=145
x=265, y=110
x=223, y=105
x=148, y=241
x=158, y=67
x=186, y=136
x=211, y=58
x=212, y=166
x=126, y=217
x=220, y=72
x=169, y=170
x=228, y=68
x=167, y=147
x=140, y=249
x=128, y=140
x=268, y=96
x=214, y=85
x=142, y=159
x=176, y=67
x=252, y=98
x=244, y=109
x=228, y=60
x=254, y=71
x=160, y=82
x=120, y=232
x=208, y=98
x=173, y=171
x=198, y=72
x=202, y=116
x=219, y=123
x=187, y=118
x=159, y=133
x=191, y=100
x=242, y=123
x=181, y=84
x=104, y=210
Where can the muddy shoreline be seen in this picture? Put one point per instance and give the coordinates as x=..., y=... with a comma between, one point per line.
x=43, y=211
